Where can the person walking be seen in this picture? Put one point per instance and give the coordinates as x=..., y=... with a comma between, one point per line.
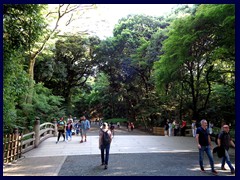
x=170, y=125
x=204, y=144
x=61, y=129
x=131, y=126
x=105, y=139
x=85, y=125
x=194, y=128
x=77, y=127
x=210, y=127
x=224, y=141
x=166, y=127
x=128, y=126
x=118, y=124
x=183, y=128
x=176, y=128
x=69, y=130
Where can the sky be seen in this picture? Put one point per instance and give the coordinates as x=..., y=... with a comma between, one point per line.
x=101, y=21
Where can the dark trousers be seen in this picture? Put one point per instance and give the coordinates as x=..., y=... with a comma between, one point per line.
x=183, y=131
x=176, y=132
x=59, y=134
x=107, y=148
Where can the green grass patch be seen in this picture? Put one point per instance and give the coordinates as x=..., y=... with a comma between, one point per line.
x=115, y=120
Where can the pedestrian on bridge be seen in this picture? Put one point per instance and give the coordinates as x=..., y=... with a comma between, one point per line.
x=85, y=125
x=69, y=130
x=61, y=129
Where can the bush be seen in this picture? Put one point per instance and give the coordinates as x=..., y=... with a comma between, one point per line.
x=115, y=120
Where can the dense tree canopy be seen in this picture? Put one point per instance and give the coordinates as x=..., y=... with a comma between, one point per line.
x=153, y=68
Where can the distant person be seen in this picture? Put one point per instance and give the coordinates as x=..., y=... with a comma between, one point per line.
x=131, y=126
x=183, y=128
x=69, y=130
x=176, y=128
x=85, y=125
x=105, y=139
x=166, y=127
x=210, y=127
x=112, y=127
x=61, y=129
x=128, y=126
x=225, y=141
x=77, y=127
x=204, y=144
x=70, y=118
x=118, y=124
x=194, y=128
x=170, y=126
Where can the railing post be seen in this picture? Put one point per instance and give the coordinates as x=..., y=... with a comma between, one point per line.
x=55, y=127
x=37, y=131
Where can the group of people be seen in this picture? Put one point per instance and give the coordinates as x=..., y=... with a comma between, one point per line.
x=224, y=141
x=130, y=126
x=202, y=136
x=194, y=127
x=174, y=128
x=81, y=127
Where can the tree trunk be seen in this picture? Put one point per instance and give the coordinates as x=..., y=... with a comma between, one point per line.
x=29, y=95
x=33, y=56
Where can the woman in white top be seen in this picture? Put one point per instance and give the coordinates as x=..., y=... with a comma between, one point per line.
x=194, y=128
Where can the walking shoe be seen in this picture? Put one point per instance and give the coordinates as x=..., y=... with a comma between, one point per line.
x=56, y=142
x=214, y=172
x=81, y=141
x=233, y=171
x=85, y=140
x=223, y=168
x=105, y=167
x=202, y=169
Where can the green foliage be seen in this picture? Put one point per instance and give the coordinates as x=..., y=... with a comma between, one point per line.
x=115, y=120
x=45, y=105
x=151, y=69
x=22, y=26
x=194, y=53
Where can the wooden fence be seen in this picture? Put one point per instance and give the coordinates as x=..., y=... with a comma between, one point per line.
x=11, y=147
x=16, y=144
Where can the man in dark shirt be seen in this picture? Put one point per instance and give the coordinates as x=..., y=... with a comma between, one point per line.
x=204, y=144
x=224, y=141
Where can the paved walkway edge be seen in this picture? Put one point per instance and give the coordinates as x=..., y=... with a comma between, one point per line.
x=59, y=166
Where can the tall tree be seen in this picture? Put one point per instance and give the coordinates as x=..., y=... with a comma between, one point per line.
x=54, y=15
x=190, y=53
x=22, y=27
x=73, y=64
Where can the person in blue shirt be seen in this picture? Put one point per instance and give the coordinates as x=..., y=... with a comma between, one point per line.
x=204, y=144
x=85, y=125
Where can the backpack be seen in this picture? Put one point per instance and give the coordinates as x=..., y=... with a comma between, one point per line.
x=106, y=138
x=61, y=125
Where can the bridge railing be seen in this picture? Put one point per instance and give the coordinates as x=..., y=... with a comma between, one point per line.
x=17, y=144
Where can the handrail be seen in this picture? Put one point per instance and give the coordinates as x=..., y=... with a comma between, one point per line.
x=41, y=133
x=17, y=144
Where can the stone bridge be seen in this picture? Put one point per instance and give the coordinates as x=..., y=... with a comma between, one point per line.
x=133, y=153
